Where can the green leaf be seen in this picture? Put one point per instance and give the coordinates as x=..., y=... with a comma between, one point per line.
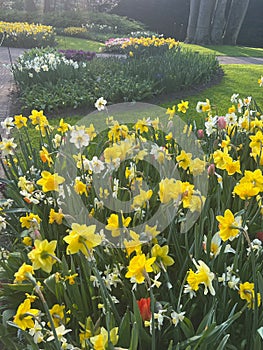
x=124, y=330
x=260, y=332
x=134, y=337
x=223, y=342
x=170, y=345
x=7, y=314
x=187, y=328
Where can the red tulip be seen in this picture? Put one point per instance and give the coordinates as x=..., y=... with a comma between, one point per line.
x=145, y=308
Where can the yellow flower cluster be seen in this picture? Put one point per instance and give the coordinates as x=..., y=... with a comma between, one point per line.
x=12, y=28
x=74, y=31
x=29, y=35
x=150, y=42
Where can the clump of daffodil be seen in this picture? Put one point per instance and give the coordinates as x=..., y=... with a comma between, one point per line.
x=24, y=317
x=139, y=268
x=82, y=238
x=228, y=225
x=43, y=255
x=246, y=292
x=250, y=185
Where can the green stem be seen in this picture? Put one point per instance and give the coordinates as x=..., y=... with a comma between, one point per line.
x=153, y=326
x=42, y=298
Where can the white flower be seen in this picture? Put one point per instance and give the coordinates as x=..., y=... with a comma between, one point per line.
x=100, y=104
x=96, y=165
x=45, y=68
x=80, y=138
x=210, y=125
x=115, y=188
x=7, y=146
x=231, y=118
x=36, y=332
x=177, y=317
x=233, y=98
x=60, y=331
x=2, y=223
x=7, y=125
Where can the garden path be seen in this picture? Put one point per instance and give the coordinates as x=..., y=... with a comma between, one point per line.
x=7, y=84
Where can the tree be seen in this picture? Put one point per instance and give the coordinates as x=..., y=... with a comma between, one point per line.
x=215, y=21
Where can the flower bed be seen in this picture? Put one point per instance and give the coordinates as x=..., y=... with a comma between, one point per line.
x=78, y=55
x=146, y=235
x=26, y=35
x=143, y=74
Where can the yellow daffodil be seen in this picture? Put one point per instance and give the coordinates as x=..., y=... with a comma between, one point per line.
x=30, y=221
x=138, y=268
x=117, y=132
x=24, y=315
x=171, y=112
x=56, y=217
x=82, y=238
x=20, y=121
x=228, y=225
x=71, y=278
x=100, y=341
x=45, y=156
x=141, y=199
x=23, y=272
x=57, y=314
x=203, y=275
x=114, y=225
x=183, y=106
x=162, y=258
x=63, y=127
x=170, y=189
x=80, y=188
x=133, y=245
x=184, y=159
x=246, y=292
x=142, y=125
x=50, y=182
x=43, y=255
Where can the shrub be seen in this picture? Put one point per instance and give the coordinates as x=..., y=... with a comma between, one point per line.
x=133, y=236
x=27, y=35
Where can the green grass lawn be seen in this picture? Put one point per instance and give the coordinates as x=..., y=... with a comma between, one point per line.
x=66, y=42
x=239, y=79
x=225, y=50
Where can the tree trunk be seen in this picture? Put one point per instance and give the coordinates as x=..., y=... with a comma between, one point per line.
x=47, y=6
x=236, y=17
x=219, y=22
x=30, y=6
x=203, y=27
x=192, y=21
